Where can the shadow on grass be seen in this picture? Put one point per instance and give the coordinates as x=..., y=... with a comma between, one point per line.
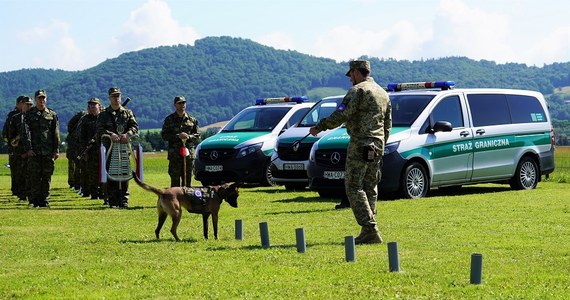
x=154, y=241
x=285, y=247
x=307, y=199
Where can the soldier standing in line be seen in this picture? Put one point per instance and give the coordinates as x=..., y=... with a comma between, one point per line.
x=11, y=161
x=90, y=150
x=367, y=114
x=180, y=129
x=73, y=169
x=119, y=123
x=41, y=142
x=19, y=162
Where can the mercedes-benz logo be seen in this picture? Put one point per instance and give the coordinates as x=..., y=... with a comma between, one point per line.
x=335, y=158
x=214, y=155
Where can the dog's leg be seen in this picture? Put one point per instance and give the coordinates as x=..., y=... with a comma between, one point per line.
x=215, y=224
x=175, y=221
x=161, y=218
x=205, y=217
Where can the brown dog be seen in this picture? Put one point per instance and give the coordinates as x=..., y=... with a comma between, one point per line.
x=198, y=200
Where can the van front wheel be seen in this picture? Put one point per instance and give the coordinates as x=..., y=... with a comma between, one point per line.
x=526, y=175
x=415, y=183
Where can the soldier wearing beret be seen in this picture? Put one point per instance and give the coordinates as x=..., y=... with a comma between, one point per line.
x=367, y=114
x=120, y=124
x=180, y=130
x=41, y=142
x=90, y=151
x=18, y=160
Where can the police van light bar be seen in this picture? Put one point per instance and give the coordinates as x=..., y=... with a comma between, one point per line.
x=444, y=85
x=263, y=101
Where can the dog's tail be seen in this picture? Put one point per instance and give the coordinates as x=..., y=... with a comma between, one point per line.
x=146, y=186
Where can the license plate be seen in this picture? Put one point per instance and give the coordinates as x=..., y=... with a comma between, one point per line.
x=334, y=174
x=214, y=168
x=294, y=166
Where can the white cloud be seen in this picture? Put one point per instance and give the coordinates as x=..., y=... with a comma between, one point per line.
x=462, y=30
x=402, y=40
x=152, y=25
x=51, y=46
x=277, y=40
x=553, y=47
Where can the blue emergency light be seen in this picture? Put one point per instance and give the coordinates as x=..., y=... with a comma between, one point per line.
x=263, y=101
x=443, y=85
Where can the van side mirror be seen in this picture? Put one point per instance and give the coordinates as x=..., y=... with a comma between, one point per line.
x=441, y=126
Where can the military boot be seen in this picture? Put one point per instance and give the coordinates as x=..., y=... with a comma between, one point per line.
x=368, y=236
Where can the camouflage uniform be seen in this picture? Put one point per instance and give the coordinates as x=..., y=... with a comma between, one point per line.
x=72, y=140
x=117, y=121
x=41, y=134
x=172, y=126
x=366, y=112
x=18, y=161
x=90, y=159
x=10, y=150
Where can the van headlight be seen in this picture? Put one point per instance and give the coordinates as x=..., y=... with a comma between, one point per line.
x=312, y=153
x=249, y=150
x=392, y=147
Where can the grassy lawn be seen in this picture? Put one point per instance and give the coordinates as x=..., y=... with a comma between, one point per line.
x=82, y=250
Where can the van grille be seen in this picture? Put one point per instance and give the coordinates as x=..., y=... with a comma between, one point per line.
x=331, y=158
x=208, y=155
x=286, y=152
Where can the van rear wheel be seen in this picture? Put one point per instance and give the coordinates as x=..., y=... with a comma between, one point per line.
x=414, y=181
x=526, y=175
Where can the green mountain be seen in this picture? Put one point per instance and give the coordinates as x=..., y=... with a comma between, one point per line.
x=219, y=76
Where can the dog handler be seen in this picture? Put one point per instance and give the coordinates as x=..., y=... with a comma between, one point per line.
x=180, y=129
x=367, y=114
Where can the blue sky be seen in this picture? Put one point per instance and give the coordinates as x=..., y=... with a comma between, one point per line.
x=79, y=34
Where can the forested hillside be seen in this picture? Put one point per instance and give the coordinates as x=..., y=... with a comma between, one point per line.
x=221, y=75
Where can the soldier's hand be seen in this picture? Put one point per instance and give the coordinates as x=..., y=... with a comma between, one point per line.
x=115, y=137
x=30, y=153
x=55, y=155
x=314, y=131
x=183, y=136
x=124, y=138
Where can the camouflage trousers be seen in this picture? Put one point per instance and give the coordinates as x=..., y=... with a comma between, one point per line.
x=72, y=169
x=90, y=173
x=40, y=170
x=176, y=170
x=361, y=184
x=18, y=171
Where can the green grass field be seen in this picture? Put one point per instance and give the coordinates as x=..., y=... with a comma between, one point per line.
x=79, y=249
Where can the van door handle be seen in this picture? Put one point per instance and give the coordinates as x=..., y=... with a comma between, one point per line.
x=480, y=131
x=464, y=133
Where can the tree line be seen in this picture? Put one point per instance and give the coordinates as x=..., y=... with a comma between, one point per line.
x=219, y=76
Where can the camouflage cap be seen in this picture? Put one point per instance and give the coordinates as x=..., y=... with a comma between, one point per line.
x=24, y=99
x=94, y=100
x=40, y=93
x=179, y=99
x=358, y=64
x=114, y=90
x=27, y=100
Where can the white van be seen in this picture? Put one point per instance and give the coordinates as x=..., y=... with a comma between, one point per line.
x=242, y=149
x=446, y=137
x=291, y=154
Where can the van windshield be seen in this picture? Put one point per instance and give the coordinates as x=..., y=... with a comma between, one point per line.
x=320, y=111
x=257, y=119
x=407, y=108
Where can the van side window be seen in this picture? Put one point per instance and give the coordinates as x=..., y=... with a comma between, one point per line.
x=525, y=109
x=449, y=109
x=489, y=109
